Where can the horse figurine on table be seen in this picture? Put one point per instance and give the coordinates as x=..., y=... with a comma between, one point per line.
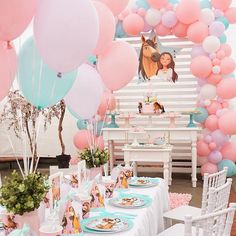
x=148, y=58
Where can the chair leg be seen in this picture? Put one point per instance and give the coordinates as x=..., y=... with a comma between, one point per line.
x=167, y=223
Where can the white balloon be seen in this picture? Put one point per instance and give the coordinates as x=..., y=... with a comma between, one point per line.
x=207, y=16
x=211, y=44
x=208, y=91
x=153, y=17
x=216, y=69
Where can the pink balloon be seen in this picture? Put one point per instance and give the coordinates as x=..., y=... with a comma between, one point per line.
x=8, y=61
x=141, y=12
x=226, y=89
x=169, y=19
x=107, y=27
x=194, y=29
x=215, y=157
x=227, y=49
x=217, y=28
x=133, y=24
x=211, y=122
x=99, y=141
x=65, y=37
x=227, y=122
x=201, y=160
x=118, y=65
x=221, y=4
x=212, y=145
x=157, y=4
x=116, y=6
x=227, y=65
x=230, y=14
x=229, y=151
x=201, y=66
x=220, y=54
x=202, y=148
x=209, y=168
x=219, y=138
x=225, y=104
x=198, y=51
x=83, y=139
x=162, y=30
x=108, y=103
x=216, y=62
x=213, y=107
x=214, y=79
x=14, y=17
x=188, y=11
x=180, y=30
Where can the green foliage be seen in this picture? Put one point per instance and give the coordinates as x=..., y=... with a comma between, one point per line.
x=20, y=195
x=95, y=158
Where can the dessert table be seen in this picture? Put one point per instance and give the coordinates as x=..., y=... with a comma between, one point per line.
x=175, y=134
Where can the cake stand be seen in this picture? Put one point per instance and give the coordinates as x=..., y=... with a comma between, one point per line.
x=126, y=117
x=135, y=140
x=191, y=124
x=113, y=123
x=150, y=115
x=172, y=116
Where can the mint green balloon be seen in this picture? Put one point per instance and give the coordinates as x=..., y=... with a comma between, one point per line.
x=39, y=84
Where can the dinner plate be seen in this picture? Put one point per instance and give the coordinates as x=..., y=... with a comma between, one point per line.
x=129, y=202
x=143, y=182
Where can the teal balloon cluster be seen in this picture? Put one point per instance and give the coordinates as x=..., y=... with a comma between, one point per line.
x=39, y=84
x=231, y=167
x=202, y=116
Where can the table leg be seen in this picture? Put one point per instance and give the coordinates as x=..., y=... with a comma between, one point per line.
x=170, y=171
x=111, y=152
x=194, y=164
x=135, y=168
x=166, y=172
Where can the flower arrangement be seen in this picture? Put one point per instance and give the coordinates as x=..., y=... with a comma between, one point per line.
x=20, y=195
x=94, y=158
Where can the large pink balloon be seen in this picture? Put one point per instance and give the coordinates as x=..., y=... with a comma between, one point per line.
x=118, y=65
x=194, y=29
x=188, y=11
x=229, y=151
x=227, y=65
x=221, y=4
x=108, y=103
x=227, y=88
x=8, y=63
x=214, y=79
x=83, y=139
x=227, y=122
x=162, y=30
x=107, y=27
x=180, y=30
x=227, y=49
x=85, y=95
x=202, y=148
x=133, y=24
x=213, y=107
x=230, y=14
x=201, y=160
x=116, y=6
x=15, y=16
x=201, y=66
x=209, y=168
x=66, y=32
x=211, y=122
x=158, y=4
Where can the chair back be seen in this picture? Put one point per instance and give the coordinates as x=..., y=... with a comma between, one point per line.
x=212, y=181
x=218, y=223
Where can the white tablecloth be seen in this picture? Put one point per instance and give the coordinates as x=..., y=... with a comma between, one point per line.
x=149, y=221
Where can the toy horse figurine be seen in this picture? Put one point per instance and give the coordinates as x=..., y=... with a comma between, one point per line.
x=148, y=58
x=158, y=107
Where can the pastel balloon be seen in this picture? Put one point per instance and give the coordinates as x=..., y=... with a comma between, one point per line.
x=220, y=54
x=226, y=88
x=202, y=148
x=180, y=30
x=201, y=66
x=194, y=29
x=211, y=44
x=157, y=4
x=221, y=4
x=202, y=116
x=227, y=65
x=224, y=21
x=207, y=16
x=230, y=165
x=223, y=38
x=107, y=27
x=209, y=168
x=133, y=24
x=65, y=37
x=153, y=17
x=39, y=83
x=116, y=6
x=217, y=28
x=230, y=14
x=83, y=139
x=108, y=103
x=86, y=92
x=214, y=79
x=208, y=138
x=81, y=124
x=198, y=51
x=8, y=66
x=205, y=4
x=219, y=138
x=215, y=157
x=162, y=30
x=229, y=151
x=15, y=16
x=120, y=33
x=227, y=122
x=211, y=122
x=212, y=145
x=118, y=65
x=169, y=19
x=216, y=61
x=216, y=69
x=201, y=160
x=188, y=11
x=213, y=107
x=208, y=91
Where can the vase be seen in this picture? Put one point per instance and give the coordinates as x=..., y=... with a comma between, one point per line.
x=93, y=172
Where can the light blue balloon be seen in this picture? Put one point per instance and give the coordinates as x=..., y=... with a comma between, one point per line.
x=92, y=59
x=100, y=126
x=205, y=4
x=142, y=4
x=38, y=83
x=223, y=38
x=120, y=33
x=224, y=21
x=81, y=124
x=202, y=116
x=231, y=167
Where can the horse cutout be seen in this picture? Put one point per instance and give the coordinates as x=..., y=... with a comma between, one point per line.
x=148, y=58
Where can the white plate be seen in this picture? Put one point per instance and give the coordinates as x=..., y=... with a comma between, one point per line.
x=128, y=202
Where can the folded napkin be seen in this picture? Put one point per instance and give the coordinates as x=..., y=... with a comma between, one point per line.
x=25, y=231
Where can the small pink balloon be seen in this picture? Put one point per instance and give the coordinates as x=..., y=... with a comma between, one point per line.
x=108, y=103
x=220, y=54
x=214, y=79
x=216, y=62
x=227, y=65
x=126, y=12
x=201, y=66
x=212, y=55
x=188, y=11
x=227, y=122
x=162, y=30
x=201, y=160
x=133, y=24
x=225, y=104
x=198, y=51
x=157, y=4
x=169, y=19
x=180, y=30
x=211, y=122
x=202, y=148
x=229, y=151
x=209, y=168
x=141, y=12
x=212, y=146
x=221, y=4
x=169, y=7
x=82, y=139
x=215, y=157
x=213, y=107
x=226, y=89
x=227, y=49
x=230, y=14
x=116, y=6
x=208, y=138
x=194, y=29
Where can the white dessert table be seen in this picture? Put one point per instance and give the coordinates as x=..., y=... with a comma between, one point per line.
x=143, y=154
x=175, y=134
